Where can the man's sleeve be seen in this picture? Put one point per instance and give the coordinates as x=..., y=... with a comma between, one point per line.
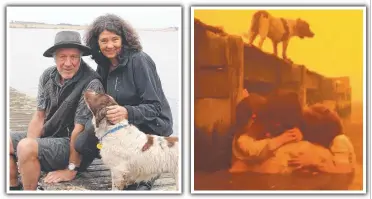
x=83, y=114
x=41, y=99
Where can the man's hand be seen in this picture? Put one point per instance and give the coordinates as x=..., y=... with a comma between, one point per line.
x=302, y=160
x=60, y=176
x=116, y=113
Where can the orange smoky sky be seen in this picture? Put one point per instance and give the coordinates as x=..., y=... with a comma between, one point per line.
x=336, y=50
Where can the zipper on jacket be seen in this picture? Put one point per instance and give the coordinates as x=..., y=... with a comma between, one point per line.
x=68, y=132
x=116, y=83
x=113, y=84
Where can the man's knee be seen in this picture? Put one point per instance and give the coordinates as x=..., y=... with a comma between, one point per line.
x=79, y=143
x=85, y=143
x=27, y=148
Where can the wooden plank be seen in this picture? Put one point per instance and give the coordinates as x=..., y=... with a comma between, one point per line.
x=97, y=168
x=102, y=181
x=98, y=177
x=96, y=161
x=81, y=183
x=95, y=174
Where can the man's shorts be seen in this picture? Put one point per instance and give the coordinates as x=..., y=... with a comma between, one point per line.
x=53, y=153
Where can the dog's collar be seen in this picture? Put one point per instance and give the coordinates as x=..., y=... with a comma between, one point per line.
x=113, y=130
x=286, y=28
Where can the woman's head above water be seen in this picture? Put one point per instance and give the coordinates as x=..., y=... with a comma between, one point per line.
x=321, y=125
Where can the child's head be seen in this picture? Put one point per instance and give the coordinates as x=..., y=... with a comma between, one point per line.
x=321, y=125
x=247, y=109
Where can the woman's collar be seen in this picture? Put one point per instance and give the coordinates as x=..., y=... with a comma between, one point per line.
x=123, y=58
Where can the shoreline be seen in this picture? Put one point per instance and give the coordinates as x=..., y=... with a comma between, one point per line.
x=77, y=27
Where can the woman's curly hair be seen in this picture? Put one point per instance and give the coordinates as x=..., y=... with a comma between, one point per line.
x=117, y=25
x=321, y=125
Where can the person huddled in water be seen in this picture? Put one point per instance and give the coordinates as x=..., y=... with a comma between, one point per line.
x=265, y=150
x=324, y=128
x=331, y=154
x=262, y=126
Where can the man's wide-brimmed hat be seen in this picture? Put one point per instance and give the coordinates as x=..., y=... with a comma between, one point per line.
x=67, y=39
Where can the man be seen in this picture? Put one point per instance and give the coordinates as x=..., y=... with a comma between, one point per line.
x=59, y=139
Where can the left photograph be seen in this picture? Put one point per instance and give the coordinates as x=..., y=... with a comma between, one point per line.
x=94, y=99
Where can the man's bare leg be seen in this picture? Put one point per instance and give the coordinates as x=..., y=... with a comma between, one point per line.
x=29, y=164
x=13, y=178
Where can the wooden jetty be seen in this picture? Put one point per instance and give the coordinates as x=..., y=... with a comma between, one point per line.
x=97, y=176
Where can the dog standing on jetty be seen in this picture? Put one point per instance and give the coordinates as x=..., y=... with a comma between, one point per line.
x=277, y=29
x=131, y=155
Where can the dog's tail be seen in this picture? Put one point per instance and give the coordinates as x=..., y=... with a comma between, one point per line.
x=255, y=22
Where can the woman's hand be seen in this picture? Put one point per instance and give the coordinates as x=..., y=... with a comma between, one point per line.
x=292, y=135
x=116, y=114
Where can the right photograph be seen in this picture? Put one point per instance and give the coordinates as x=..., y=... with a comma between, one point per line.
x=278, y=99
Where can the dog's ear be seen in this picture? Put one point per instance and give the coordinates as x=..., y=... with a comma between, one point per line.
x=100, y=115
x=111, y=100
x=90, y=100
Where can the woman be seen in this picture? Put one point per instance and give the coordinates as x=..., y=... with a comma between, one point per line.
x=130, y=77
x=324, y=128
x=331, y=154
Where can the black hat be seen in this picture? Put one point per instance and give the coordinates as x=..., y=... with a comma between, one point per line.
x=67, y=39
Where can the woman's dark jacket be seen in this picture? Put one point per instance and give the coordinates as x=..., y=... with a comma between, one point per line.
x=135, y=84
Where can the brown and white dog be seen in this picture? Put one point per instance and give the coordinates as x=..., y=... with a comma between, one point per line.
x=277, y=29
x=131, y=155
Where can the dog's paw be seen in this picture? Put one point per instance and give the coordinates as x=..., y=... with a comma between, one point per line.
x=274, y=54
x=287, y=60
x=245, y=35
x=118, y=185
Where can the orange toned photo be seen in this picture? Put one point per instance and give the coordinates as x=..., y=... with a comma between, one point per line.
x=278, y=99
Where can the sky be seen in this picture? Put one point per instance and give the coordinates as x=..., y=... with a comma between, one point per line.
x=336, y=49
x=139, y=17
